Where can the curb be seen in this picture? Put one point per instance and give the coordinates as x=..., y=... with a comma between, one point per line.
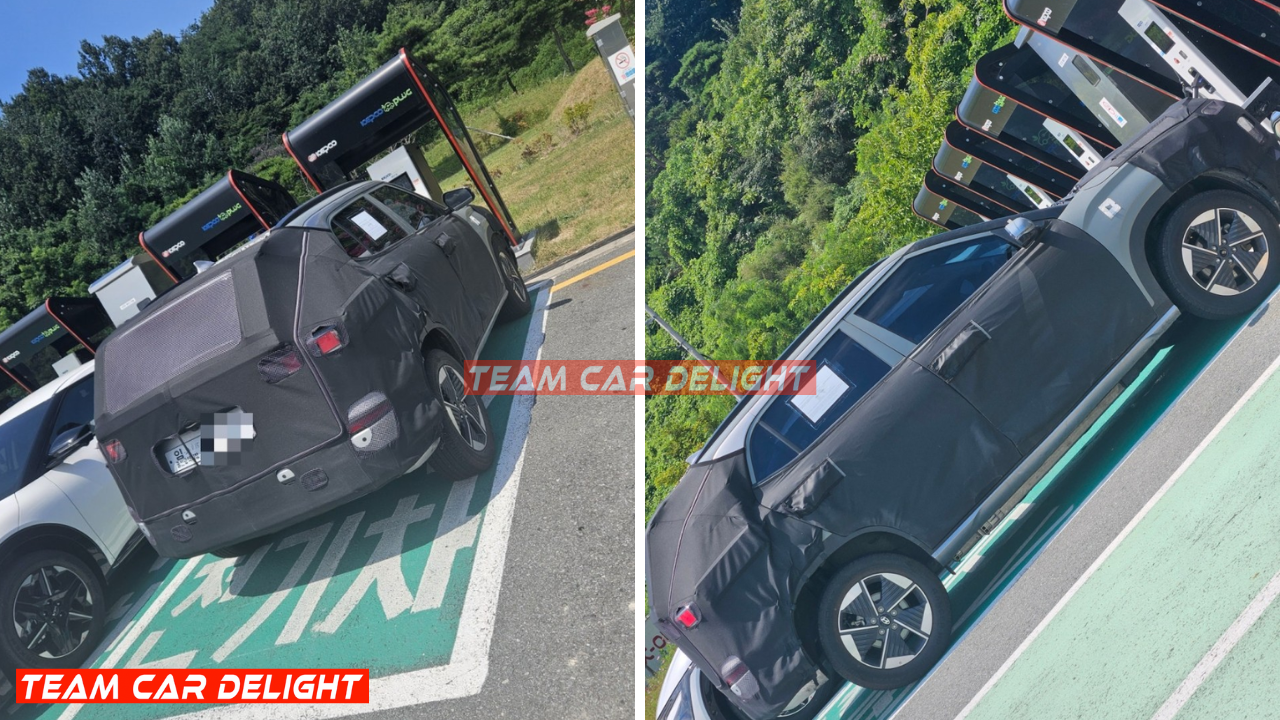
x=582, y=251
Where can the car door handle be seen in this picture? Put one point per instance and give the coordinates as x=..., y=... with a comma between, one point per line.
x=959, y=351
x=447, y=244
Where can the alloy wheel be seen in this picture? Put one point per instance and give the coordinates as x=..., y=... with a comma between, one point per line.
x=1224, y=251
x=513, y=277
x=465, y=411
x=884, y=621
x=53, y=611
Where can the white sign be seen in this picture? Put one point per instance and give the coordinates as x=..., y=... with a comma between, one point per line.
x=1111, y=110
x=370, y=224
x=623, y=65
x=826, y=388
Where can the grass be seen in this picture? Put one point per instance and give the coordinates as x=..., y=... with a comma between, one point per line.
x=573, y=188
x=652, y=686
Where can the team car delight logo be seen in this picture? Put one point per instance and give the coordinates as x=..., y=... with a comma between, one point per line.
x=322, y=151
x=386, y=107
x=216, y=219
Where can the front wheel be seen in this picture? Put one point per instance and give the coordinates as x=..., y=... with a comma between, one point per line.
x=1213, y=255
x=466, y=436
x=53, y=605
x=884, y=621
x=518, y=303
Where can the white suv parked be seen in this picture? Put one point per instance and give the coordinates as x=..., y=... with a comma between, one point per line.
x=63, y=527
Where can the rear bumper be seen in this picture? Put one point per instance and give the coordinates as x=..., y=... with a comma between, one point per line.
x=321, y=481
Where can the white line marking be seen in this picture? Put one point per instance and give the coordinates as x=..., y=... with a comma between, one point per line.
x=1218, y=652
x=1115, y=543
x=306, y=607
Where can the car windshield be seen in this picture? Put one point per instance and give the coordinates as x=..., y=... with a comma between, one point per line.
x=17, y=440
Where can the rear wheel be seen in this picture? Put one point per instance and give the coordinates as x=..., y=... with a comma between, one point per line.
x=53, y=608
x=518, y=303
x=1213, y=255
x=466, y=436
x=884, y=620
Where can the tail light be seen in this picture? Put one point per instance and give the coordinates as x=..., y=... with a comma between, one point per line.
x=739, y=678
x=371, y=423
x=327, y=340
x=687, y=616
x=279, y=365
x=114, y=450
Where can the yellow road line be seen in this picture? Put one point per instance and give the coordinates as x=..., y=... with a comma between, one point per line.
x=593, y=271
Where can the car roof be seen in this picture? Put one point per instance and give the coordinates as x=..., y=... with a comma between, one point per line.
x=47, y=391
x=314, y=212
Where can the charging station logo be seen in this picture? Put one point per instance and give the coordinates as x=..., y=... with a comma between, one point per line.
x=183, y=243
x=217, y=219
x=11, y=356
x=1044, y=17
x=322, y=151
x=47, y=333
x=387, y=107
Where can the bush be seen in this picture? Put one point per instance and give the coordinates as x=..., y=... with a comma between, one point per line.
x=576, y=116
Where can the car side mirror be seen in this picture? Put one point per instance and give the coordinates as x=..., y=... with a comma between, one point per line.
x=68, y=441
x=1021, y=231
x=458, y=198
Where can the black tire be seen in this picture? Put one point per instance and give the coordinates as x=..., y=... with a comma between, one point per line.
x=1206, y=279
x=56, y=621
x=467, y=443
x=518, y=303
x=720, y=707
x=236, y=550
x=920, y=620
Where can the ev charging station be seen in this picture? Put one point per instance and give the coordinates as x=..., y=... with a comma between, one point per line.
x=988, y=181
x=232, y=210
x=407, y=168
x=1163, y=51
x=128, y=286
x=374, y=116
x=1019, y=74
x=1040, y=139
x=1036, y=182
x=52, y=340
x=942, y=212
x=1250, y=25
x=958, y=194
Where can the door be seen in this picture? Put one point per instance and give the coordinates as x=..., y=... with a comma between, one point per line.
x=469, y=252
x=83, y=475
x=417, y=263
x=1031, y=344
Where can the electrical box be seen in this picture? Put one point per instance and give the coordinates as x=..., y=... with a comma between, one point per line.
x=407, y=168
x=138, y=279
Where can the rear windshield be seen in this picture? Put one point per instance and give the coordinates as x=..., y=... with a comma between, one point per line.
x=17, y=439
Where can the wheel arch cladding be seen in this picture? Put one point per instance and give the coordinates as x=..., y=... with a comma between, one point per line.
x=438, y=338
x=54, y=537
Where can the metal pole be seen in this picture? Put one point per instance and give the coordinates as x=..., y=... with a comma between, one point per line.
x=684, y=344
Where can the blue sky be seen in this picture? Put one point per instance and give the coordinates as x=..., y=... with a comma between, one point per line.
x=47, y=33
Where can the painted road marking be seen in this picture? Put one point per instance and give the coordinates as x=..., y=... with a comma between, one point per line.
x=359, y=575
x=602, y=266
x=1225, y=644
x=1118, y=540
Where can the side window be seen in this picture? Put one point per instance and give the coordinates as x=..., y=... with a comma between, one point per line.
x=412, y=208
x=362, y=228
x=76, y=409
x=927, y=288
x=790, y=424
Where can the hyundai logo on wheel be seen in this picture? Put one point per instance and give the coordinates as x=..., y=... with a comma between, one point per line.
x=322, y=151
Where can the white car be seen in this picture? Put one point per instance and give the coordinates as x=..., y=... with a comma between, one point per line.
x=687, y=694
x=63, y=527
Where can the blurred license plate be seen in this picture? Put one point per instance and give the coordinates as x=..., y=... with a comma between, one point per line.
x=184, y=454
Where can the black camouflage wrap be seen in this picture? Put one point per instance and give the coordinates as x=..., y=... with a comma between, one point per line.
x=268, y=300
x=929, y=443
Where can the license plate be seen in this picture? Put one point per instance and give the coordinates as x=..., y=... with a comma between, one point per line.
x=184, y=454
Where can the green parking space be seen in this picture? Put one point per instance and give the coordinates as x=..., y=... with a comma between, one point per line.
x=1143, y=621
x=998, y=561
x=403, y=582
